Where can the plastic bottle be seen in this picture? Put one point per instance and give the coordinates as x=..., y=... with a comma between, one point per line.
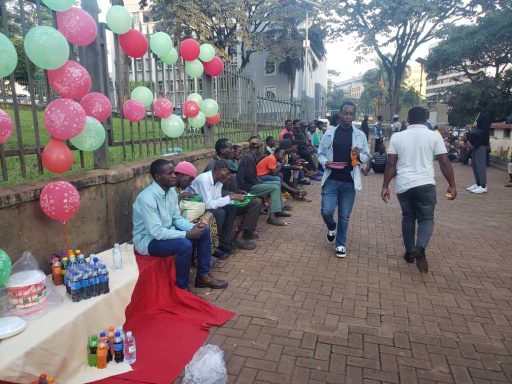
x=118, y=348
x=75, y=287
x=107, y=341
x=43, y=379
x=57, y=277
x=94, y=280
x=72, y=261
x=117, y=257
x=81, y=258
x=93, y=346
x=111, y=338
x=85, y=283
x=101, y=353
x=51, y=380
x=130, y=351
x=353, y=159
x=121, y=331
x=104, y=279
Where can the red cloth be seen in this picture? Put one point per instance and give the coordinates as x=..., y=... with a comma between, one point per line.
x=169, y=324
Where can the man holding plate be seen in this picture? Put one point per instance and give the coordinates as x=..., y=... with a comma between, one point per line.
x=341, y=151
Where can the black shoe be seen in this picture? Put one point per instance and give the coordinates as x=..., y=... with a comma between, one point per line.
x=409, y=258
x=208, y=281
x=245, y=244
x=219, y=254
x=228, y=249
x=283, y=214
x=251, y=235
x=331, y=235
x=421, y=259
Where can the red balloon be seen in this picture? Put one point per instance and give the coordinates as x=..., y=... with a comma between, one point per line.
x=77, y=26
x=59, y=200
x=133, y=43
x=96, y=105
x=6, y=126
x=57, y=157
x=64, y=119
x=134, y=110
x=191, y=108
x=71, y=80
x=214, y=68
x=163, y=108
x=189, y=49
x=215, y=119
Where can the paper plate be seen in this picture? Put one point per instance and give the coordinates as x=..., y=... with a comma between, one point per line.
x=10, y=326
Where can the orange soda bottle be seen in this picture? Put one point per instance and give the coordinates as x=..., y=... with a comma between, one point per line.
x=111, y=337
x=51, y=380
x=57, y=277
x=353, y=159
x=101, y=354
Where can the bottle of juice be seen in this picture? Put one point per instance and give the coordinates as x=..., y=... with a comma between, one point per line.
x=353, y=159
x=101, y=354
x=111, y=337
x=57, y=277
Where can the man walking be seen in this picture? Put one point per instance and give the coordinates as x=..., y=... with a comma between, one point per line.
x=341, y=151
x=410, y=158
x=377, y=134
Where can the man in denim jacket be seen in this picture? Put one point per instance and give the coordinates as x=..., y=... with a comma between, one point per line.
x=341, y=179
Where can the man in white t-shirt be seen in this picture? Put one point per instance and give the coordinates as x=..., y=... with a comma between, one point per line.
x=410, y=159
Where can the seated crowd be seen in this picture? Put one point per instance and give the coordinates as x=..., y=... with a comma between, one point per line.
x=182, y=213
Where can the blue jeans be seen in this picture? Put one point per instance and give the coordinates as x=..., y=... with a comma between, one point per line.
x=341, y=194
x=264, y=178
x=182, y=249
x=418, y=205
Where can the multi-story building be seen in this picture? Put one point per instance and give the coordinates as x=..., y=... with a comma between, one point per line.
x=353, y=87
x=442, y=82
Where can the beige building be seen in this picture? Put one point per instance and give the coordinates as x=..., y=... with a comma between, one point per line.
x=353, y=87
x=417, y=79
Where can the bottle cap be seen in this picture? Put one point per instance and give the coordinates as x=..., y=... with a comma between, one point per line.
x=102, y=334
x=43, y=376
x=95, y=259
x=129, y=334
x=94, y=337
x=77, y=251
x=111, y=328
x=118, y=334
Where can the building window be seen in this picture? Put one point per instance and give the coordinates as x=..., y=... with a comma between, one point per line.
x=200, y=85
x=506, y=133
x=270, y=68
x=160, y=86
x=191, y=86
x=138, y=64
x=159, y=65
x=171, y=86
x=270, y=92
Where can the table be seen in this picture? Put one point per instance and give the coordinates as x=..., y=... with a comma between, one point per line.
x=56, y=342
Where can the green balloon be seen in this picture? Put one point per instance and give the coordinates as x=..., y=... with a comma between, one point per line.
x=173, y=126
x=160, y=43
x=194, y=68
x=198, y=121
x=209, y=107
x=196, y=97
x=59, y=5
x=9, y=56
x=119, y=19
x=206, y=53
x=92, y=137
x=143, y=95
x=46, y=47
x=5, y=267
x=171, y=58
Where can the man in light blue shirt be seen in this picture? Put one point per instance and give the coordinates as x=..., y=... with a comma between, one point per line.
x=160, y=230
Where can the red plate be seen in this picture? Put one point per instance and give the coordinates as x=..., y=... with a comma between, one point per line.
x=338, y=165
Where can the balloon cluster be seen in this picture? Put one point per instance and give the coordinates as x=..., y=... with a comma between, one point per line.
x=199, y=111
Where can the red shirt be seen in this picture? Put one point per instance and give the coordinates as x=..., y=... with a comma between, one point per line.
x=264, y=166
x=284, y=132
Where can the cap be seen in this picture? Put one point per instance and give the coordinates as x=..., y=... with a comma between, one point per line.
x=395, y=116
x=186, y=168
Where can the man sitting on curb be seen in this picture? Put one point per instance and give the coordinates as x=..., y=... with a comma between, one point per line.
x=160, y=230
x=209, y=185
x=248, y=180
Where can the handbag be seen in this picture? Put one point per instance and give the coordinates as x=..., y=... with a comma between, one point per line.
x=192, y=210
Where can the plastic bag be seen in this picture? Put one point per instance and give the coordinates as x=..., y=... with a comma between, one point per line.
x=29, y=291
x=206, y=367
x=192, y=210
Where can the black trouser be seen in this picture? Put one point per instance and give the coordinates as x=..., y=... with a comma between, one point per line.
x=250, y=215
x=225, y=218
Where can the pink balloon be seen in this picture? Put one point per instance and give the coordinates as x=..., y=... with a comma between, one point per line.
x=71, y=80
x=64, y=119
x=215, y=119
x=189, y=49
x=77, y=26
x=57, y=157
x=6, y=126
x=59, y=200
x=96, y=105
x=134, y=110
x=214, y=68
x=163, y=108
x=133, y=43
x=191, y=108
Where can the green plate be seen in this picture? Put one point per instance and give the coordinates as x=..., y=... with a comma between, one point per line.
x=245, y=201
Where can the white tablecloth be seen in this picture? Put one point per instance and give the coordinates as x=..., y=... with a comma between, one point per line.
x=56, y=342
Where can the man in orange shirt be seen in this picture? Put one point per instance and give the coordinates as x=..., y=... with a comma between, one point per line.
x=288, y=126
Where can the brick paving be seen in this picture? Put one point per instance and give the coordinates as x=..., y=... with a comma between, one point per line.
x=305, y=316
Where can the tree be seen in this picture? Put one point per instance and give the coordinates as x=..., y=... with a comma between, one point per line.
x=335, y=99
x=394, y=30
x=477, y=50
x=222, y=23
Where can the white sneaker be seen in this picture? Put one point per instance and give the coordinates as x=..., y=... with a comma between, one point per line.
x=341, y=252
x=479, y=190
x=471, y=187
x=331, y=235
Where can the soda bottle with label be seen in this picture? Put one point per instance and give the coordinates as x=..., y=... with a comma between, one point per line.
x=101, y=353
x=93, y=346
x=130, y=352
x=118, y=348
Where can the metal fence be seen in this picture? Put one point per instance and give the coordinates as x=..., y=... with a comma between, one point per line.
x=24, y=97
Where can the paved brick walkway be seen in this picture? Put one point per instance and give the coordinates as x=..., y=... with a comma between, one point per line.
x=304, y=316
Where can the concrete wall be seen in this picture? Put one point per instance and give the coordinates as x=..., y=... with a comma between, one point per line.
x=104, y=217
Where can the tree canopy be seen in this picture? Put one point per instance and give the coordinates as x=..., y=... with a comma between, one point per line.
x=394, y=30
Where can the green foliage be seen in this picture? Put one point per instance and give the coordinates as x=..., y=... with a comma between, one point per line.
x=335, y=99
x=394, y=30
x=140, y=83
